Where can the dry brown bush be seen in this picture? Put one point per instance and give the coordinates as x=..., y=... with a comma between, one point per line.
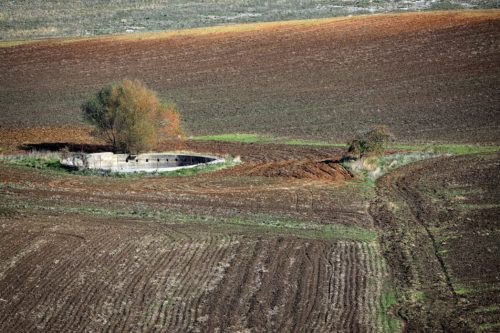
x=130, y=117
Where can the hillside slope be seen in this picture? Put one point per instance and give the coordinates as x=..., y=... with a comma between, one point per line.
x=429, y=76
x=57, y=18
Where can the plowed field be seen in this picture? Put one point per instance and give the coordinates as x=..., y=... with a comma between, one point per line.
x=109, y=275
x=286, y=240
x=441, y=223
x=429, y=76
x=227, y=251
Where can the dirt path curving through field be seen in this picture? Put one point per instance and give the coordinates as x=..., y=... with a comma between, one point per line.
x=439, y=220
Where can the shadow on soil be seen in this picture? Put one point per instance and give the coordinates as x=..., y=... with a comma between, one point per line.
x=71, y=147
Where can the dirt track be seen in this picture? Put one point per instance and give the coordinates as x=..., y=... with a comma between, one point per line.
x=440, y=220
x=429, y=76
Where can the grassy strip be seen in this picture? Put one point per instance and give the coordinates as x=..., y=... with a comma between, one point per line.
x=370, y=169
x=50, y=161
x=456, y=149
x=258, y=138
x=487, y=309
x=237, y=137
x=262, y=223
x=489, y=327
x=387, y=301
x=467, y=290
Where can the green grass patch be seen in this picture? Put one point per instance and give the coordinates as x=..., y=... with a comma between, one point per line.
x=487, y=309
x=467, y=290
x=478, y=206
x=489, y=327
x=260, y=138
x=261, y=223
x=363, y=184
x=369, y=169
x=417, y=296
x=35, y=160
x=456, y=149
x=387, y=301
x=298, y=142
x=463, y=290
x=237, y=137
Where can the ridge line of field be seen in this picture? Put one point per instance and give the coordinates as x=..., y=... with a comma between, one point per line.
x=241, y=27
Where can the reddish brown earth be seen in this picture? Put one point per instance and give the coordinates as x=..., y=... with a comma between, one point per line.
x=441, y=235
x=303, y=169
x=213, y=252
x=429, y=76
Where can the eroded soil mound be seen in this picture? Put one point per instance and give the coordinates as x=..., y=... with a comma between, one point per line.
x=326, y=170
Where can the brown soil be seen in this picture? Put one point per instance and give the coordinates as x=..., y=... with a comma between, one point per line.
x=81, y=253
x=272, y=178
x=429, y=76
x=441, y=220
x=78, y=274
x=326, y=170
x=269, y=160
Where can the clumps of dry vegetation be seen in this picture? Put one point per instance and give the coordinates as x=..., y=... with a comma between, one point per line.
x=130, y=117
x=365, y=154
x=373, y=142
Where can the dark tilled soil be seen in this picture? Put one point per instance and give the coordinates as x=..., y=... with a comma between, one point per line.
x=440, y=220
x=87, y=253
x=429, y=76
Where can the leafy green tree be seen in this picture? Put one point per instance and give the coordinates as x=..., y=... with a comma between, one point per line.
x=130, y=117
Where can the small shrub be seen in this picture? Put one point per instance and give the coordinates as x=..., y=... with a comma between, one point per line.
x=372, y=142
